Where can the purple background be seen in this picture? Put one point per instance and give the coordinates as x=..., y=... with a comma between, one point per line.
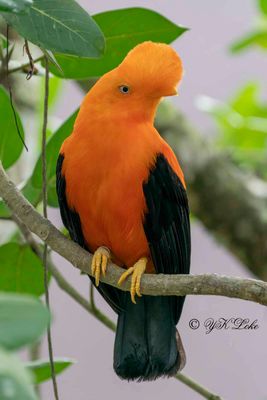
x=230, y=363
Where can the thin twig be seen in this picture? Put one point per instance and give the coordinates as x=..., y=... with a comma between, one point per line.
x=10, y=90
x=197, y=387
x=44, y=193
x=92, y=298
x=23, y=67
x=152, y=284
x=31, y=62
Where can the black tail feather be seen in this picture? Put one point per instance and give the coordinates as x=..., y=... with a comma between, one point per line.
x=146, y=345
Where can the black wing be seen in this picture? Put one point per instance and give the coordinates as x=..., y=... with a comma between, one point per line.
x=166, y=223
x=72, y=222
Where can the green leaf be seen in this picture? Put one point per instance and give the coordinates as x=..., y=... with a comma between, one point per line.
x=10, y=143
x=257, y=38
x=21, y=270
x=61, y=26
x=263, y=6
x=15, y=380
x=123, y=29
x=23, y=319
x=15, y=6
x=41, y=368
x=53, y=147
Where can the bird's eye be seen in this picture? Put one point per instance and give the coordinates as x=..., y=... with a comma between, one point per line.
x=124, y=89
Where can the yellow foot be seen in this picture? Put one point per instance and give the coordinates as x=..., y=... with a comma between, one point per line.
x=137, y=271
x=100, y=261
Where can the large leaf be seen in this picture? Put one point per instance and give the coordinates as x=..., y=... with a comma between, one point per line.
x=15, y=6
x=15, y=380
x=41, y=368
x=21, y=270
x=10, y=143
x=53, y=147
x=61, y=26
x=123, y=29
x=23, y=319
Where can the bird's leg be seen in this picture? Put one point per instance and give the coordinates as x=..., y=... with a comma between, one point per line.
x=136, y=271
x=100, y=261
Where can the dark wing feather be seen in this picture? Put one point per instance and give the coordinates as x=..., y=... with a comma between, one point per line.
x=72, y=222
x=166, y=223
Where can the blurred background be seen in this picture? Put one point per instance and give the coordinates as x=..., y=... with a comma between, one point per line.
x=216, y=85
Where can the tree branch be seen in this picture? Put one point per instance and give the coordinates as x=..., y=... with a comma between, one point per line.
x=152, y=284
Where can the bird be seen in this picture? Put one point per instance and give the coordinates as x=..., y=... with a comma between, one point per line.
x=122, y=196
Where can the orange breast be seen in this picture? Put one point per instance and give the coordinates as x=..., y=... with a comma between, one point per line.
x=104, y=178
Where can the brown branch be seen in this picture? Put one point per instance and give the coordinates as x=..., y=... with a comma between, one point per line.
x=179, y=285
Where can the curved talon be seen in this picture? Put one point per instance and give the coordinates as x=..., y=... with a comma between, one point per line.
x=100, y=261
x=137, y=271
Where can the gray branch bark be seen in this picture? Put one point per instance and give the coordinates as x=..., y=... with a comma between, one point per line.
x=246, y=289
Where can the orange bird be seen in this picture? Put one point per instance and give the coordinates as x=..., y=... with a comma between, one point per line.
x=122, y=196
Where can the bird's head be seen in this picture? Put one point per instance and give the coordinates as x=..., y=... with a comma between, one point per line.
x=149, y=72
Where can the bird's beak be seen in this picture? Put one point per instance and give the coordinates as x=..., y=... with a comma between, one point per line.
x=173, y=92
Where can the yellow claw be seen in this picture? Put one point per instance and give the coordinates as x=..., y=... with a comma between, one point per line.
x=100, y=261
x=136, y=271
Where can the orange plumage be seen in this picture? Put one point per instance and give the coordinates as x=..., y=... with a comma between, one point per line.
x=113, y=146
